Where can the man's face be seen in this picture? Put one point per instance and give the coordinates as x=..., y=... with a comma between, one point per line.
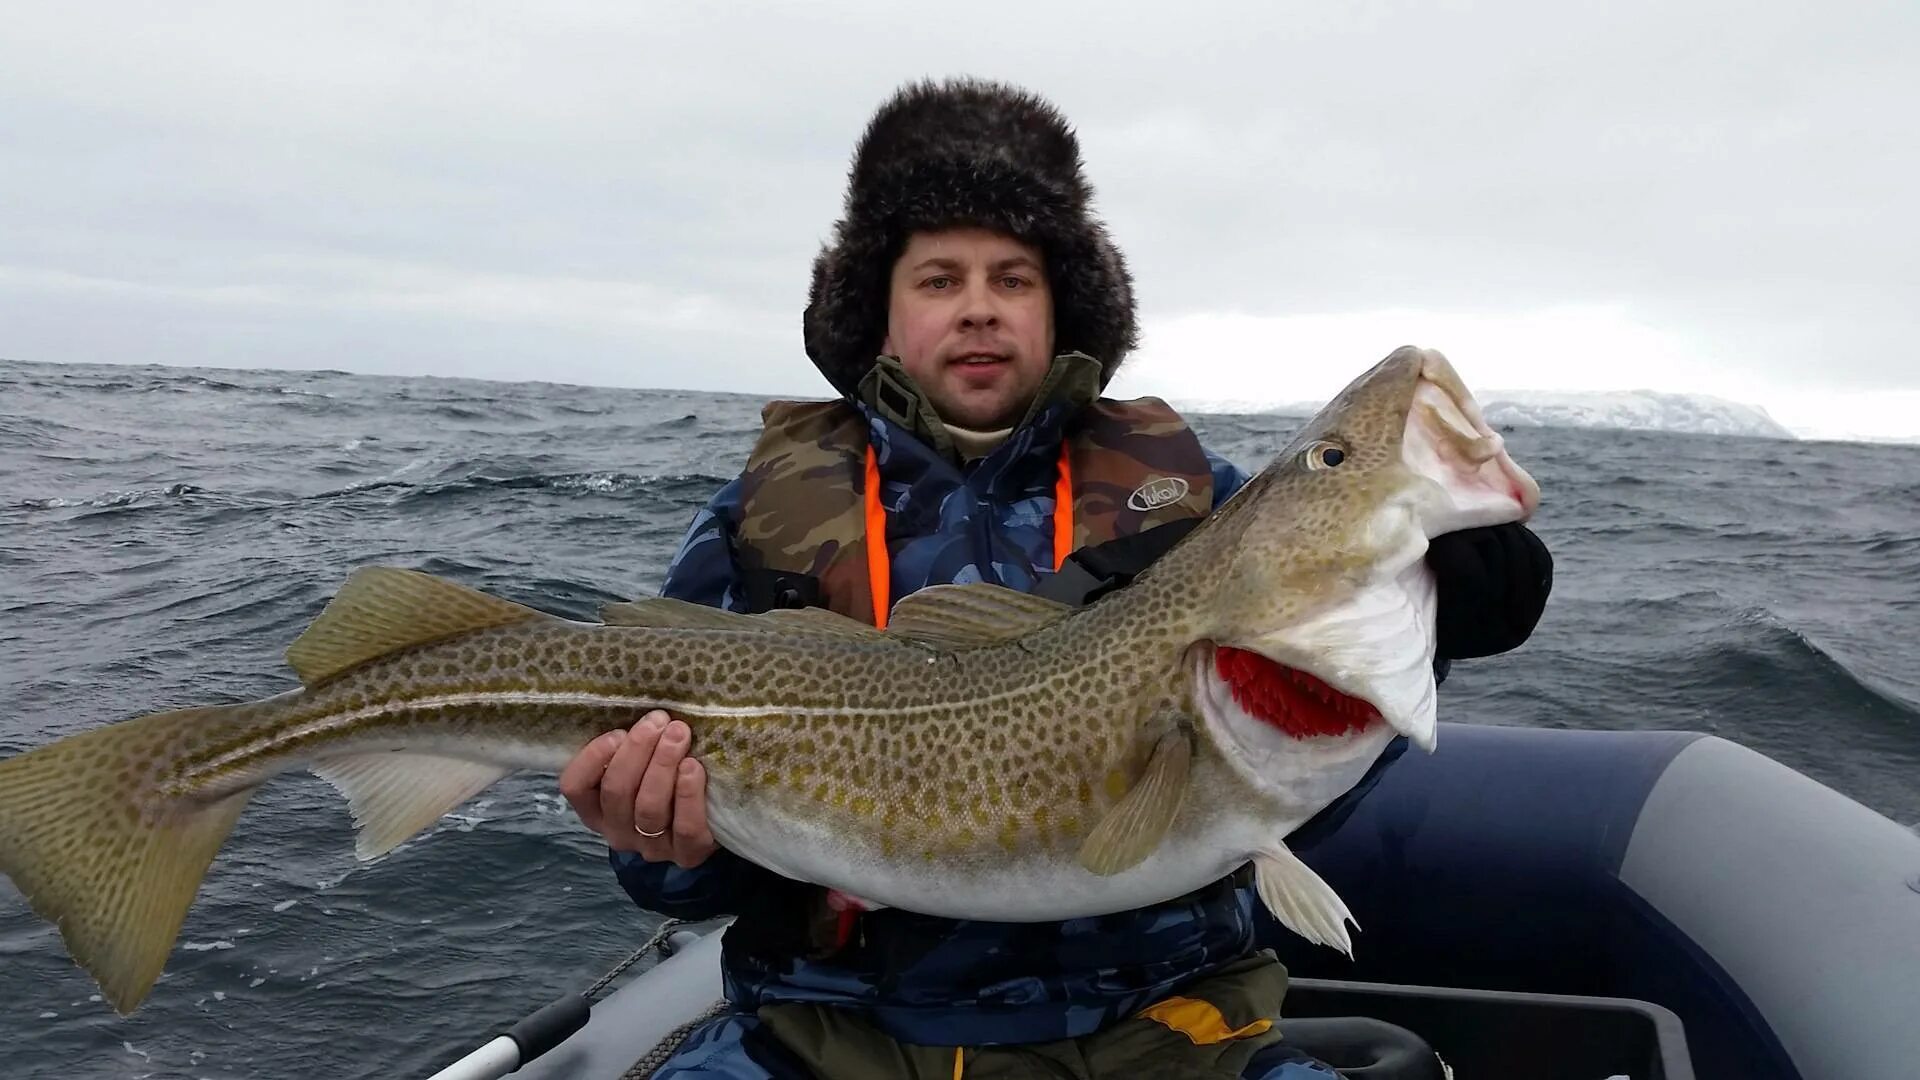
x=970, y=316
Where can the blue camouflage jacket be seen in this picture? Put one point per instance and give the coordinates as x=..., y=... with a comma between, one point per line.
x=920, y=978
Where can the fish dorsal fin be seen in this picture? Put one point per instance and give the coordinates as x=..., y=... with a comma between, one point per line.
x=819, y=620
x=970, y=616
x=662, y=612
x=1139, y=821
x=666, y=613
x=383, y=608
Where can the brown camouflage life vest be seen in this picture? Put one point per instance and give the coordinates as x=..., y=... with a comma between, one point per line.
x=1134, y=465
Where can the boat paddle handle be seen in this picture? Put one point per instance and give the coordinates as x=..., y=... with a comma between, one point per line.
x=535, y=1034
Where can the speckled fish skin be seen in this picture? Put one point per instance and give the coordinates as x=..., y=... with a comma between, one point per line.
x=991, y=755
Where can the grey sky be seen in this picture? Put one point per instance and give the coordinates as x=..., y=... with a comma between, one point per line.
x=1711, y=197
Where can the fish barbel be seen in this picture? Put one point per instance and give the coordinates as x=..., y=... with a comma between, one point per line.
x=990, y=755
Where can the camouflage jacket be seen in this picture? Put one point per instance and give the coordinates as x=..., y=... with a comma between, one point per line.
x=924, y=979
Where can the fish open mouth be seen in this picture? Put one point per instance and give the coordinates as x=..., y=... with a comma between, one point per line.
x=1448, y=441
x=1290, y=700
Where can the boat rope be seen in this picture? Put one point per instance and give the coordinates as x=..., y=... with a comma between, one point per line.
x=667, y=1047
x=659, y=936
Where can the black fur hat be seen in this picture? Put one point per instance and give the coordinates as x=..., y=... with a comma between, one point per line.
x=957, y=153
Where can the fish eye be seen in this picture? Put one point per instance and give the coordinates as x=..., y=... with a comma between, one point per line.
x=1325, y=455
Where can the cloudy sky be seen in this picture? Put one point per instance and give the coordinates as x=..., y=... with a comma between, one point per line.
x=1703, y=197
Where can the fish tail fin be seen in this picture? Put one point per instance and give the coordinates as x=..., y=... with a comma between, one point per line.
x=101, y=850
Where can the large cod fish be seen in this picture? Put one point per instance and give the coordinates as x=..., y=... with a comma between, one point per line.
x=990, y=755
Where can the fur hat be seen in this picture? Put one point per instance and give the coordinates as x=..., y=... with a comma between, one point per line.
x=966, y=152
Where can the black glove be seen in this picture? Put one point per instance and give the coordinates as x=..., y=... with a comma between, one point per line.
x=1493, y=583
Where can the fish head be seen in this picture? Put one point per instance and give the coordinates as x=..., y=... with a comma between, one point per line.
x=1320, y=635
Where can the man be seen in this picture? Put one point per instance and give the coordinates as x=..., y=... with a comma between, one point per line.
x=968, y=311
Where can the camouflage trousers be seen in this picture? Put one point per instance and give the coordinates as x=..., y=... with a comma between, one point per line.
x=1219, y=1028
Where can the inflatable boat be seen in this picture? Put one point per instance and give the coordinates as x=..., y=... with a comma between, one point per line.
x=1535, y=904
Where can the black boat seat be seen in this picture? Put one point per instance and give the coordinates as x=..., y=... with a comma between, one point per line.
x=1363, y=1048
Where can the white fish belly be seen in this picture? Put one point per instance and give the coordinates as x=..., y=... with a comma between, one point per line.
x=1025, y=887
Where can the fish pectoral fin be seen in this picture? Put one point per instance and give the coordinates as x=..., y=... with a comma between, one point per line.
x=384, y=608
x=1140, y=820
x=970, y=616
x=1301, y=899
x=395, y=794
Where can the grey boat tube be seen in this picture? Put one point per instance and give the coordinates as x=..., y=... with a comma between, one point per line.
x=1779, y=919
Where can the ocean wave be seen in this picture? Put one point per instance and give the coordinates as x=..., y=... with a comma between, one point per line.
x=1735, y=651
x=305, y=404
x=1767, y=650
x=458, y=412
x=214, y=384
x=108, y=385
x=1642, y=529
x=491, y=410
x=31, y=431
x=587, y=484
x=576, y=483
x=112, y=499
x=295, y=392
x=1890, y=544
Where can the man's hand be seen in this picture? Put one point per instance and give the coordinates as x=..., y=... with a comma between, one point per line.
x=641, y=792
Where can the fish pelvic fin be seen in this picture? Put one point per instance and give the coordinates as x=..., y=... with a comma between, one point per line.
x=98, y=850
x=1301, y=899
x=1140, y=820
x=382, y=609
x=394, y=795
